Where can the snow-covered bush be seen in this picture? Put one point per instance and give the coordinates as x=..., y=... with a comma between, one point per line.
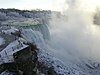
x=3, y=16
x=14, y=14
x=28, y=15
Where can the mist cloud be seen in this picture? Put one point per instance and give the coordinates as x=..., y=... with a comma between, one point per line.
x=77, y=36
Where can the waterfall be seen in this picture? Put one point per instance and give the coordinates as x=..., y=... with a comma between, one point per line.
x=34, y=37
x=43, y=29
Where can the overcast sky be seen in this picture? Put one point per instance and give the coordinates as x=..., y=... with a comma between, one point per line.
x=32, y=4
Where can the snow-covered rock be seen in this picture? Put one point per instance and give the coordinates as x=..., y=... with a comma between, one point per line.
x=6, y=73
x=9, y=31
x=6, y=55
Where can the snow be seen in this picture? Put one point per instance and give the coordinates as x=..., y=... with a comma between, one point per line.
x=1, y=41
x=6, y=55
x=22, y=22
x=29, y=21
x=51, y=61
x=6, y=73
x=9, y=31
x=59, y=67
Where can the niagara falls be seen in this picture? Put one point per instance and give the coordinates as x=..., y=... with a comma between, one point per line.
x=49, y=37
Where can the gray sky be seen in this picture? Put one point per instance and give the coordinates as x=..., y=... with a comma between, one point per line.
x=57, y=5
x=32, y=4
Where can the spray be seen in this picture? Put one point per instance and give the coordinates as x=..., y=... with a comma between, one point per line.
x=74, y=35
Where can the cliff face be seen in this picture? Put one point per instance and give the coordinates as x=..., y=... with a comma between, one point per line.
x=23, y=60
x=15, y=56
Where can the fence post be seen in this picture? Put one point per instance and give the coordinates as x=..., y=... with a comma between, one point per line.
x=12, y=48
x=5, y=52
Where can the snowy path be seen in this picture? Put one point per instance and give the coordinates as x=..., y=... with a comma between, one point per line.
x=6, y=55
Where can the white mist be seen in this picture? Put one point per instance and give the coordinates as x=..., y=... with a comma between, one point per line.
x=74, y=36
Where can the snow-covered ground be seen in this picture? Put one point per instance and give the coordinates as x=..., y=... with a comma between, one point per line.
x=9, y=31
x=2, y=41
x=7, y=53
x=6, y=73
x=23, y=22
